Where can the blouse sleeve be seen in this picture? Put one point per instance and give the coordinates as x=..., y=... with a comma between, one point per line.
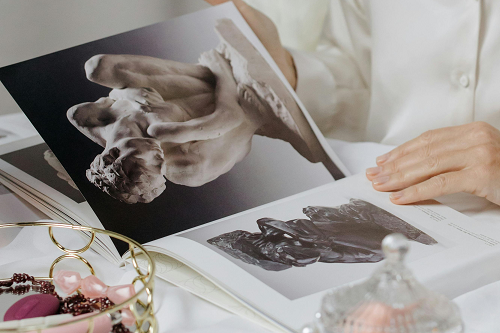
x=333, y=82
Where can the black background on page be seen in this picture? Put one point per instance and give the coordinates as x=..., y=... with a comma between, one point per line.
x=46, y=87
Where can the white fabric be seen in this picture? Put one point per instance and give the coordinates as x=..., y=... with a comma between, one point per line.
x=480, y=309
x=299, y=22
x=388, y=70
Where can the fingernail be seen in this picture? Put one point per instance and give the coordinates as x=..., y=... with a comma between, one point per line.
x=373, y=171
x=396, y=195
x=383, y=158
x=381, y=180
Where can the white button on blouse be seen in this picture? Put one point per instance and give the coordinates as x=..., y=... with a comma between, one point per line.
x=388, y=70
x=464, y=81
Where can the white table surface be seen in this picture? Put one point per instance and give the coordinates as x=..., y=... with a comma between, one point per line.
x=179, y=311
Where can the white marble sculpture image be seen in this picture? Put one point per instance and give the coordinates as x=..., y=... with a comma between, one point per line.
x=188, y=123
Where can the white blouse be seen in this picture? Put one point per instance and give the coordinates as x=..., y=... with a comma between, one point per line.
x=388, y=70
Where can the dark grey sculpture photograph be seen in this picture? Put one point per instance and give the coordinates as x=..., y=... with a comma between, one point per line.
x=349, y=233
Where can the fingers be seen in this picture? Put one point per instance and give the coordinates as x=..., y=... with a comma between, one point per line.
x=424, y=154
x=448, y=138
x=454, y=159
x=227, y=115
x=421, y=170
x=428, y=165
x=447, y=183
x=170, y=78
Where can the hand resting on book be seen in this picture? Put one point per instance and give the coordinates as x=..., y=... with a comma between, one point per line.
x=448, y=160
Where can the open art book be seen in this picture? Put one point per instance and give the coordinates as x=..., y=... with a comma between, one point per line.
x=185, y=136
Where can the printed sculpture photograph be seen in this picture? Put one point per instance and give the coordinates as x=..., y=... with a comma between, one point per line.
x=349, y=233
x=188, y=123
x=173, y=134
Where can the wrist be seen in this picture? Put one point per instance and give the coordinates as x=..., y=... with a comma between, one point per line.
x=287, y=66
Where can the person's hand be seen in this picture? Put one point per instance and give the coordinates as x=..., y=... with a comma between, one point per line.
x=455, y=159
x=266, y=31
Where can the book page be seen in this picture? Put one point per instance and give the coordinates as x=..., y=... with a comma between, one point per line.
x=173, y=125
x=283, y=257
x=175, y=272
x=29, y=169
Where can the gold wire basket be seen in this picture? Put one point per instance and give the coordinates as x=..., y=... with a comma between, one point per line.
x=141, y=304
